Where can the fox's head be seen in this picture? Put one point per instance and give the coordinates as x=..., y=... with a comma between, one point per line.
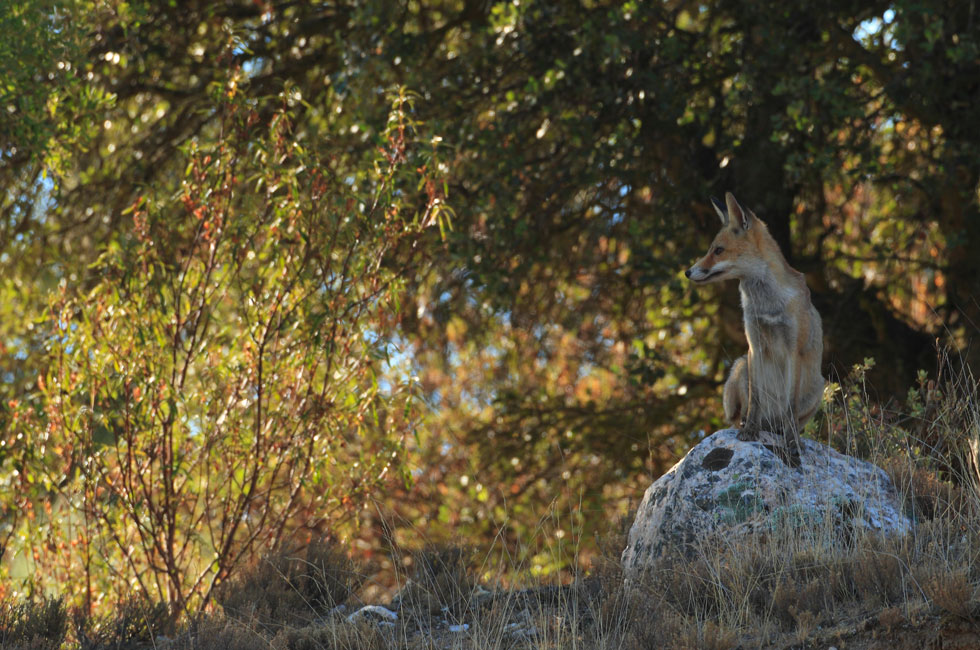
x=736, y=251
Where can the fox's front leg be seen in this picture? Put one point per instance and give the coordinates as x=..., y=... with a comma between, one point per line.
x=790, y=430
x=754, y=417
x=772, y=406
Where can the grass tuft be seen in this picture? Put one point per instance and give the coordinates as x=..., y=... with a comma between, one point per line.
x=33, y=625
x=291, y=588
x=440, y=584
x=134, y=624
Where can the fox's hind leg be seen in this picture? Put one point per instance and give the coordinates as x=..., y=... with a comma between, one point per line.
x=736, y=398
x=736, y=395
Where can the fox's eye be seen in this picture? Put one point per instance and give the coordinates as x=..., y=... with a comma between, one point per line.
x=719, y=250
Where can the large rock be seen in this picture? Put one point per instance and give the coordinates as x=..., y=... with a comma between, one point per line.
x=727, y=487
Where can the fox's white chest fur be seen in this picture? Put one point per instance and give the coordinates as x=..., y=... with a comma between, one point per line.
x=765, y=300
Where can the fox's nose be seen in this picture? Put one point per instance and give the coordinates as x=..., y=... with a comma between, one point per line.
x=687, y=273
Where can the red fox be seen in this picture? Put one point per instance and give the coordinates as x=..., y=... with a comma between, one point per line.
x=777, y=386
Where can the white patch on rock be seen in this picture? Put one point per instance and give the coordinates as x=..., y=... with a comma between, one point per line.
x=732, y=488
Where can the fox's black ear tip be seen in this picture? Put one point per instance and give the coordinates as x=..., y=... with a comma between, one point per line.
x=717, y=202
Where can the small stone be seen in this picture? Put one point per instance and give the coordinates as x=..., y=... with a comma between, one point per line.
x=374, y=614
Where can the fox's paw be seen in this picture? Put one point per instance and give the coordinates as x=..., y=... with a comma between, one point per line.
x=792, y=450
x=795, y=456
x=746, y=434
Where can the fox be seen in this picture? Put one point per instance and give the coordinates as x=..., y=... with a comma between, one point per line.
x=776, y=387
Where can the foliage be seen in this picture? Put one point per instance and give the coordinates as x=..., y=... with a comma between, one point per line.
x=563, y=359
x=216, y=387
x=36, y=56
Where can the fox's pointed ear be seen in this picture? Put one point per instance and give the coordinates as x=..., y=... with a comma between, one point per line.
x=720, y=209
x=736, y=212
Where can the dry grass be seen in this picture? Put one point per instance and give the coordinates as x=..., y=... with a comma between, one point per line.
x=291, y=588
x=33, y=625
x=795, y=587
x=134, y=624
x=440, y=585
